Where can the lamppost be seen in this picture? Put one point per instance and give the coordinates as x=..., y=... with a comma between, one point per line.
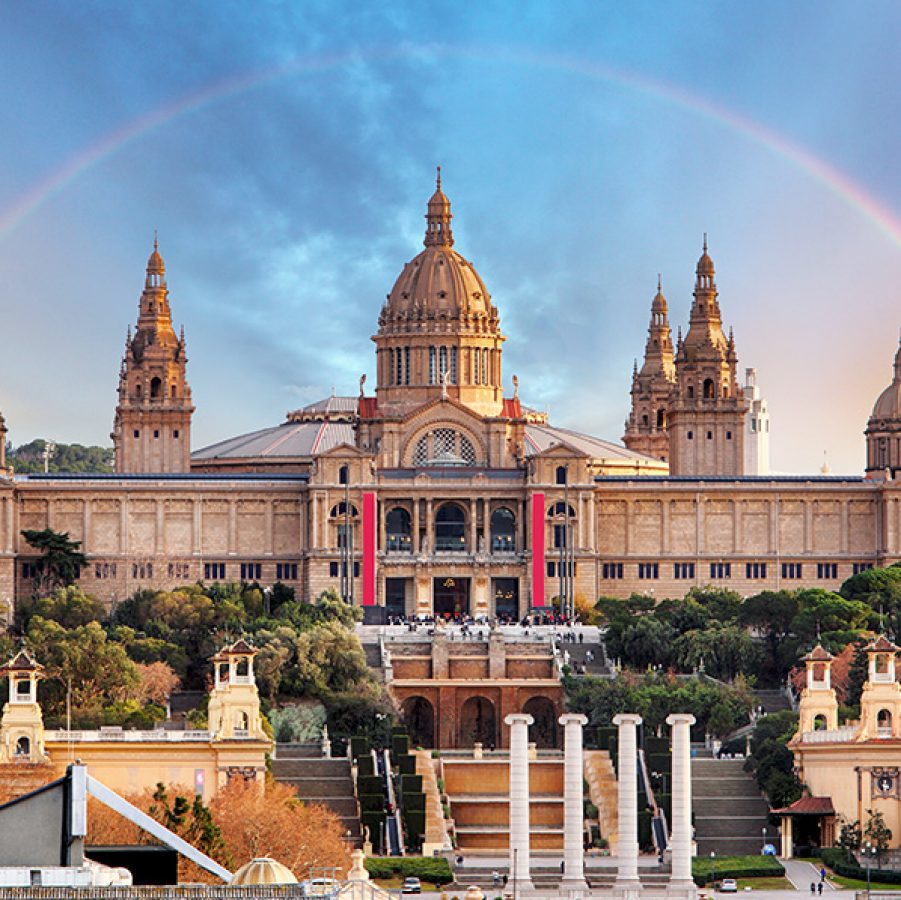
x=869, y=851
x=763, y=837
x=712, y=870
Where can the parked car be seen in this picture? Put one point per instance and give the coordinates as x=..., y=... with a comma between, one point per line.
x=729, y=886
x=412, y=885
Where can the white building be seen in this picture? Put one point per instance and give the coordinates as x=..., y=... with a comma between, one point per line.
x=757, y=428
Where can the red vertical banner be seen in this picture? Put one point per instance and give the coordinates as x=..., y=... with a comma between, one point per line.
x=369, y=531
x=538, y=549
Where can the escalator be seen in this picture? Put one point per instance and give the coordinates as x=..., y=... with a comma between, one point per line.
x=393, y=830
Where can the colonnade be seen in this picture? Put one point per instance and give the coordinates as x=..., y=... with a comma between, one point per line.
x=627, y=885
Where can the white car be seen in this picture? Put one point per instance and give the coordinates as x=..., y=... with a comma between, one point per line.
x=728, y=886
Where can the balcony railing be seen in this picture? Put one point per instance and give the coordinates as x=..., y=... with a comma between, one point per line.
x=844, y=735
x=125, y=736
x=399, y=543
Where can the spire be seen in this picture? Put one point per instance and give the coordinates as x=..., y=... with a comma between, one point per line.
x=156, y=268
x=438, y=218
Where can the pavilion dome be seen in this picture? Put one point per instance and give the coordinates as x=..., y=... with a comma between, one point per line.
x=888, y=404
x=263, y=870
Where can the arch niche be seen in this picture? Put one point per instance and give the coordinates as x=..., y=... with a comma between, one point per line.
x=478, y=723
x=543, y=732
x=419, y=716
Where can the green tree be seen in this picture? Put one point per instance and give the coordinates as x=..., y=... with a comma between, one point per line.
x=69, y=606
x=60, y=563
x=877, y=832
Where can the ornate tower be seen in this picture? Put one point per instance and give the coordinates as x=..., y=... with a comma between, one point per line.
x=818, y=709
x=439, y=333
x=22, y=725
x=708, y=407
x=234, y=707
x=152, y=428
x=880, y=700
x=883, y=430
x=652, y=387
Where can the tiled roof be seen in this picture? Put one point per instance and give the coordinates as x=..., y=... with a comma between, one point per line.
x=540, y=437
x=818, y=654
x=808, y=806
x=881, y=645
x=21, y=662
x=289, y=440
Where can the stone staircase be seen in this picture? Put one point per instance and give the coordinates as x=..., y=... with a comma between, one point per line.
x=729, y=811
x=479, y=795
x=373, y=652
x=436, y=835
x=320, y=780
x=546, y=878
x=602, y=791
x=598, y=667
x=772, y=700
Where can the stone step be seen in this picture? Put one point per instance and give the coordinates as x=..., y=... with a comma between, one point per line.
x=729, y=846
x=298, y=751
x=735, y=826
x=310, y=768
x=317, y=788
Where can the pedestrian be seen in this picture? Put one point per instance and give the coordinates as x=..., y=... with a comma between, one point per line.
x=820, y=888
x=813, y=888
x=581, y=638
x=822, y=874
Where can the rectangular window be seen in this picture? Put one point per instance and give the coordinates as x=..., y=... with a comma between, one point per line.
x=286, y=571
x=175, y=434
x=755, y=570
x=683, y=570
x=214, y=571
x=857, y=568
x=137, y=433
x=29, y=570
x=560, y=536
x=343, y=532
x=552, y=570
x=333, y=570
x=433, y=374
x=251, y=571
x=791, y=570
x=648, y=570
x=406, y=365
x=720, y=570
x=827, y=570
x=612, y=570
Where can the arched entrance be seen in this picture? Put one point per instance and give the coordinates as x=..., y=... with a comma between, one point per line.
x=419, y=717
x=543, y=732
x=478, y=723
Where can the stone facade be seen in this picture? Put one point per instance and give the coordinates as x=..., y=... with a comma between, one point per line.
x=475, y=495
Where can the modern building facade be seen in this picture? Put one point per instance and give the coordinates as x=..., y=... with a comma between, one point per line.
x=444, y=493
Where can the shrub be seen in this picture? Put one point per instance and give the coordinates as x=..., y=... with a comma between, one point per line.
x=735, y=867
x=434, y=870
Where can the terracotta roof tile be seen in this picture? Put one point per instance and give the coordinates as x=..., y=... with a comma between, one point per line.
x=808, y=806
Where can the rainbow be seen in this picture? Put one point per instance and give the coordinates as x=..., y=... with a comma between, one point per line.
x=837, y=182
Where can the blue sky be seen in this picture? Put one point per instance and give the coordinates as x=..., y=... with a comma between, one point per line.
x=585, y=146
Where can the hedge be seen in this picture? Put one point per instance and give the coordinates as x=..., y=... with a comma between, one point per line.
x=359, y=746
x=400, y=745
x=373, y=821
x=370, y=784
x=837, y=860
x=365, y=766
x=410, y=784
x=434, y=870
x=406, y=764
x=372, y=803
x=735, y=867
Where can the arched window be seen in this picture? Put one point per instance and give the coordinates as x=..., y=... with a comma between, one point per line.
x=884, y=723
x=476, y=356
x=661, y=419
x=453, y=365
x=691, y=392
x=406, y=365
x=450, y=529
x=23, y=746
x=561, y=474
x=503, y=531
x=172, y=391
x=139, y=389
x=644, y=420
x=708, y=389
x=399, y=368
x=485, y=366
x=433, y=372
x=444, y=447
x=819, y=722
x=342, y=475
x=339, y=508
x=398, y=531
x=442, y=360
x=155, y=387
x=243, y=721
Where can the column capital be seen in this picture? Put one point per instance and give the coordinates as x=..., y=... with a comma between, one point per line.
x=627, y=719
x=681, y=719
x=519, y=719
x=573, y=719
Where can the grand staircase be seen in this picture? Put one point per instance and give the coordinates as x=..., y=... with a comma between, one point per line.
x=729, y=811
x=320, y=780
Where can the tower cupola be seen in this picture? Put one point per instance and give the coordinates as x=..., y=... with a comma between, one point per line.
x=438, y=218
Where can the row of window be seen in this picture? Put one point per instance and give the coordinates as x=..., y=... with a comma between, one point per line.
x=156, y=433
x=691, y=435
x=720, y=571
x=443, y=361
x=334, y=568
x=554, y=569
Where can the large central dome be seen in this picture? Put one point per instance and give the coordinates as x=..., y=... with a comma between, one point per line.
x=439, y=333
x=439, y=281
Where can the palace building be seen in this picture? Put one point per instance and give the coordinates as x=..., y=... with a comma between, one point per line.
x=443, y=492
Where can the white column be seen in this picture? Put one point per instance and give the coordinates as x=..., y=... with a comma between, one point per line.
x=519, y=801
x=681, y=883
x=627, y=884
x=573, y=811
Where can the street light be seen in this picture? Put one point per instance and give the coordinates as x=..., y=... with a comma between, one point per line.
x=869, y=851
x=763, y=836
x=712, y=870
